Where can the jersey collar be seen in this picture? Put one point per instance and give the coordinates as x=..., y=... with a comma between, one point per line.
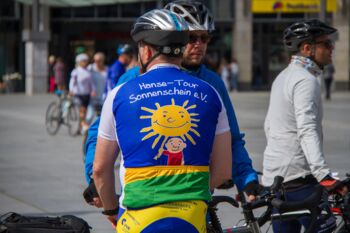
x=307, y=64
x=163, y=65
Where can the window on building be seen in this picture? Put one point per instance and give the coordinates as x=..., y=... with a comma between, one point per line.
x=108, y=11
x=131, y=10
x=83, y=12
x=7, y=9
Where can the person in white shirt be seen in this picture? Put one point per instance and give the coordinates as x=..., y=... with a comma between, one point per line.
x=293, y=123
x=225, y=73
x=81, y=86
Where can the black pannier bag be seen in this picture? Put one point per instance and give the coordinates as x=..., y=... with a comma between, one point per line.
x=16, y=223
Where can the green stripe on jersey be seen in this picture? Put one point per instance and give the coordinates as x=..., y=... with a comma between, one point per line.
x=162, y=189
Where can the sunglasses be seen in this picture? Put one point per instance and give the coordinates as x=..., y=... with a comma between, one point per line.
x=328, y=44
x=202, y=38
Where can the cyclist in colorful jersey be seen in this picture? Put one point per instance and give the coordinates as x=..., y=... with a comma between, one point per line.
x=293, y=123
x=201, y=25
x=118, y=68
x=163, y=106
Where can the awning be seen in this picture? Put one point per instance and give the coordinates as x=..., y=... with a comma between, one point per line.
x=79, y=3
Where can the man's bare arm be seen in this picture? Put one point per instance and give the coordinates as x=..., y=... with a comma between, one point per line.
x=221, y=160
x=103, y=171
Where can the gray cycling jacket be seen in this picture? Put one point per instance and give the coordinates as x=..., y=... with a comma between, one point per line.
x=293, y=124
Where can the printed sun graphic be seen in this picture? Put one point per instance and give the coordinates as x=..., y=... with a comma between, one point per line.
x=170, y=121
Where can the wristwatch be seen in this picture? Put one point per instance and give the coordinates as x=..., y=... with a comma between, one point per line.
x=111, y=212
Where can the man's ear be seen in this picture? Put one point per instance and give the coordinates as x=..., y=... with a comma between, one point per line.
x=148, y=52
x=306, y=49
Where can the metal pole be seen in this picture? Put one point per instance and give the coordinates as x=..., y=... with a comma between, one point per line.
x=347, y=5
x=322, y=13
x=35, y=16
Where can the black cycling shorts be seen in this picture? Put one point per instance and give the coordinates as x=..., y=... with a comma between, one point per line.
x=84, y=100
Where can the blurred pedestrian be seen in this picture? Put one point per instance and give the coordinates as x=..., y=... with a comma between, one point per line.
x=257, y=77
x=51, y=80
x=328, y=72
x=60, y=74
x=234, y=75
x=224, y=73
x=98, y=71
x=118, y=68
x=134, y=62
x=81, y=86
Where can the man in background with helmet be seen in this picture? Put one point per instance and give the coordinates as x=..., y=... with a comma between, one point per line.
x=118, y=68
x=293, y=123
x=160, y=109
x=201, y=25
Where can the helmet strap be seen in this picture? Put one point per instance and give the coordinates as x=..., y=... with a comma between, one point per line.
x=144, y=65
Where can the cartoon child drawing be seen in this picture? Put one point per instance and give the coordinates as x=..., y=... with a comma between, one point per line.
x=173, y=152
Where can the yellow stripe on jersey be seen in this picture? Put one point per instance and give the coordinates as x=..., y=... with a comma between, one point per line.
x=143, y=173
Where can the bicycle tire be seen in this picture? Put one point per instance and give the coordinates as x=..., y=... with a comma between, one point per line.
x=342, y=227
x=73, y=120
x=210, y=229
x=53, y=118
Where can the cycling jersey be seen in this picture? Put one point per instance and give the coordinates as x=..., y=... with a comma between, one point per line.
x=164, y=110
x=116, y=70
x=293, y=125
x=129, y=75
x=242, y=171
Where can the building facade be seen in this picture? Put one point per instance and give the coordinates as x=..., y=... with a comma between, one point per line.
x=249, y=30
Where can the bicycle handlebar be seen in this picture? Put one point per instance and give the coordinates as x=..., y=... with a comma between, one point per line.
x=269, y=199
x=266, y=196
x=308, y=203
x=220, y=199
x=311, y=203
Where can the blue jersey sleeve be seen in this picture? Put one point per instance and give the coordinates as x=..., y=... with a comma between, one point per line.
x=115, y=71
x=242, y=169
x=90, y=145
x=130, y=74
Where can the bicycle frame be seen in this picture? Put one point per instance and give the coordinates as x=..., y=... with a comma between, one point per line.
x=63, y=112
x=340, y=206
x=270, y=200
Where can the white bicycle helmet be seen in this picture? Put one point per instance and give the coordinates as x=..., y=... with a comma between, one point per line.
x=195, y=13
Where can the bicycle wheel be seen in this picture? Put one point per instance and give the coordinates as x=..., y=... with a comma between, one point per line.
x=73, y=120
x=53, y=118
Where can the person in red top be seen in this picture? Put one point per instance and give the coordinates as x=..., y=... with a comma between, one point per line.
x=174, y=154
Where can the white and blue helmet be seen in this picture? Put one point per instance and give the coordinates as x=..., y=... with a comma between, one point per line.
x=124, y=49
x=163, y=29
